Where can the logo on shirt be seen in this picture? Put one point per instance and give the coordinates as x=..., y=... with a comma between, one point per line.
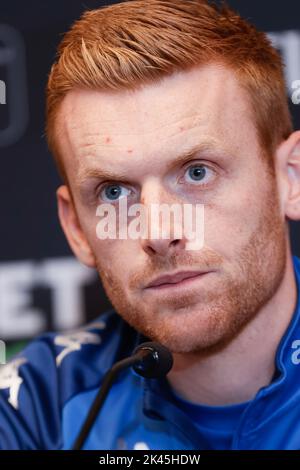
x=74, y=341
x=296, y=353
x=140, y=446
x=10, y=379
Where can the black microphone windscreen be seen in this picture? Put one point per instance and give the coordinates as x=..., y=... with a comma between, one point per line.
x=157, y=363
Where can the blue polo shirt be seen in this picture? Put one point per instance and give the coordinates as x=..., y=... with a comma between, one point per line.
x=217, y=423
x=47, y=390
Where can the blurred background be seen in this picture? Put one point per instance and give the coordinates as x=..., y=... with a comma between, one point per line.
x=42, y=286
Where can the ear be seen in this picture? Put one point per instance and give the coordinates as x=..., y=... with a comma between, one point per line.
x=288, y=166
x=71, y=226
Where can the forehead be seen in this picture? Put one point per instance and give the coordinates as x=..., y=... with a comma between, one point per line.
x=148, y=124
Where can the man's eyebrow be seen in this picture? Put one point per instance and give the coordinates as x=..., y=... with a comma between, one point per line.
x=207, y=148
x=99, y=174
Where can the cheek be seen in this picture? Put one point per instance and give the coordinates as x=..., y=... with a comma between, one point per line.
x=231, y=222
x=108, y=252
x=115, y=258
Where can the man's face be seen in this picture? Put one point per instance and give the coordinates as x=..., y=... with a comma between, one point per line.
x=138, y=136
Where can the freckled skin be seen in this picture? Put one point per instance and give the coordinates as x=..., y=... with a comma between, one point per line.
x=243, y=223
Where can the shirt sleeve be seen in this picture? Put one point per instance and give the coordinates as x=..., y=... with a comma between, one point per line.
x=29, y=402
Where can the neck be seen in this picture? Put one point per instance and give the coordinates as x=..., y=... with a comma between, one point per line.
x=235, y=374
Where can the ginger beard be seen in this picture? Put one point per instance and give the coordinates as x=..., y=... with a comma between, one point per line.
x=207, y=321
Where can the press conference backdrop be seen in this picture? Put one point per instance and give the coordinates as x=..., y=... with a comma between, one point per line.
x=42, y=286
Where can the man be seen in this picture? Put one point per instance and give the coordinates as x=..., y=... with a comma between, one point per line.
x=171, y=102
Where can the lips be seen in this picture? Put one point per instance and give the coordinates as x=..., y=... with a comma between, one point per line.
x=174, y=278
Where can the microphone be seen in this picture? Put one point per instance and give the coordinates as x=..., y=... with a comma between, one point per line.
x=150, y=360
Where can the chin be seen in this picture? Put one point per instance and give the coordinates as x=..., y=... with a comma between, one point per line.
x=182, y=337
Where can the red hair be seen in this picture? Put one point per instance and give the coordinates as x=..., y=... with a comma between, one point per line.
x=129, y=44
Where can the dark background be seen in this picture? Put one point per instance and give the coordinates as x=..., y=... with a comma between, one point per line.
x=42, y=286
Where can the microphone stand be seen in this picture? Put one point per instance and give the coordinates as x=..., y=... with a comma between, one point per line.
x=102, y=393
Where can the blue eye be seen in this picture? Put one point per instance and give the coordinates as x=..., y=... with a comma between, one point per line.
x=113, y=192
x=198, y=173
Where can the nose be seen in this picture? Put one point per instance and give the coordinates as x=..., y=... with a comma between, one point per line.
x=164, y=229
x=161, y=247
